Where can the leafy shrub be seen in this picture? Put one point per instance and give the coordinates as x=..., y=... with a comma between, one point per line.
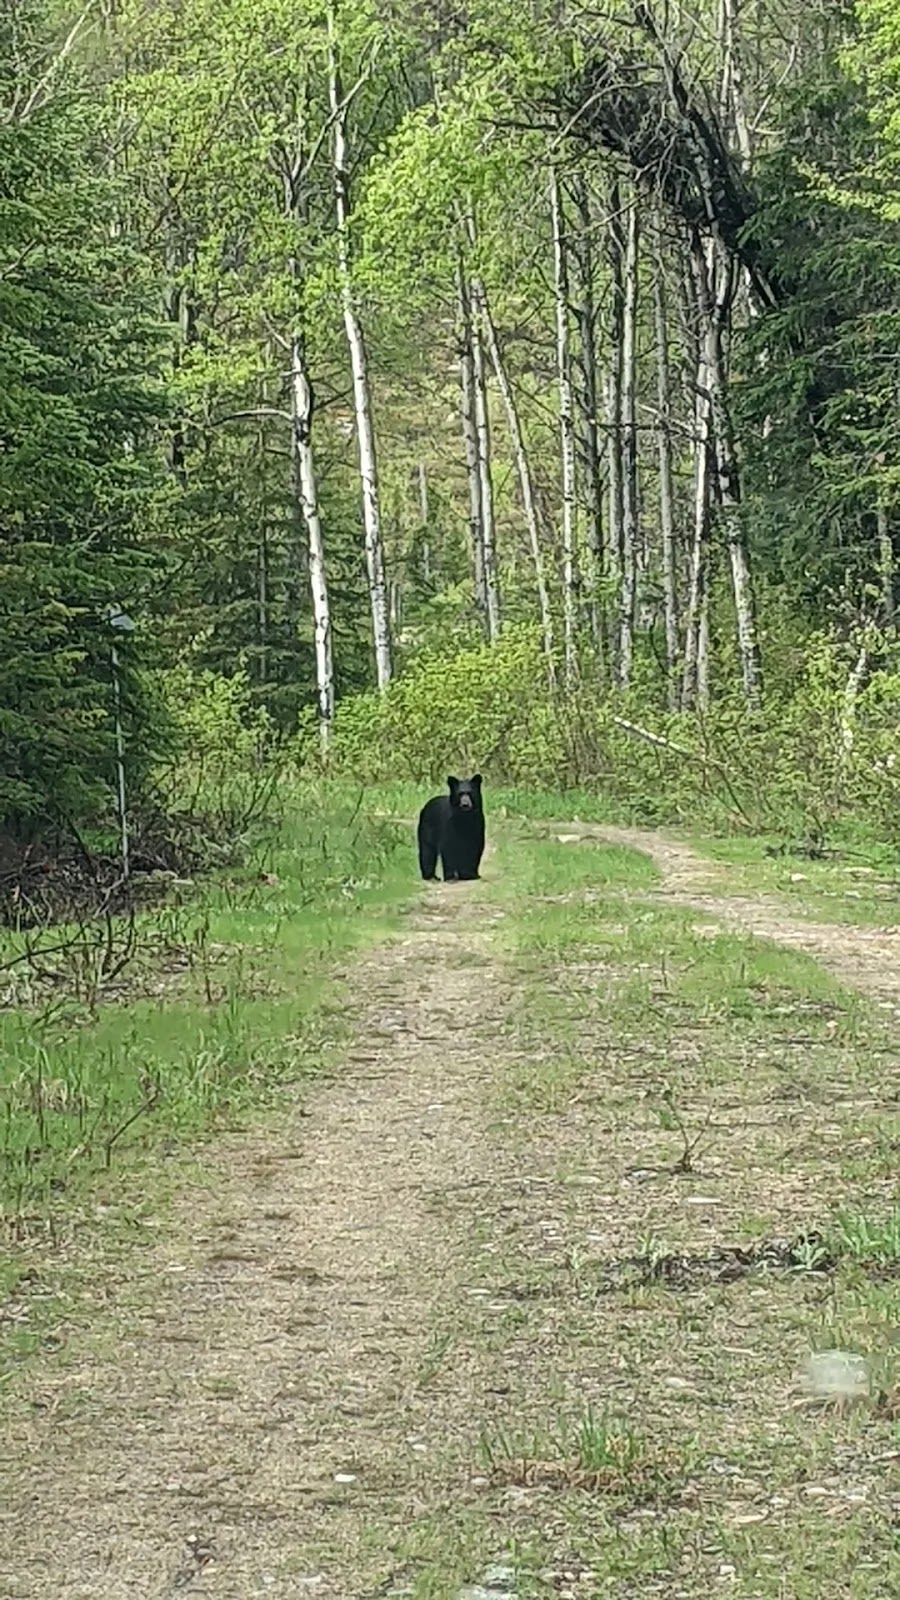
x=221, y=734
x=485, y=707
x=823, y=753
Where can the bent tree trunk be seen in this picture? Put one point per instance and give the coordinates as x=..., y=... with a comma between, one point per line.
x=368, y=470
x=566, y=427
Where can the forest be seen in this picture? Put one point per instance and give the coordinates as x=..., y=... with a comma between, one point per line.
x=506, y=389
x=510, y=384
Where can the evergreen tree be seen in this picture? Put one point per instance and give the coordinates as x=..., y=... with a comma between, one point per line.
x=79, y=408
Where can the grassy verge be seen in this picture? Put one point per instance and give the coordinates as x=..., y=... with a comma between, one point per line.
x=706, y=1129
x=231, y=999
x=860, y=885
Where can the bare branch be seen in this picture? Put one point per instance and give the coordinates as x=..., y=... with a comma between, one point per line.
x=40, y=93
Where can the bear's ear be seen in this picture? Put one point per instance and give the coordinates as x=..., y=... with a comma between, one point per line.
x=453, y=784
x=477, y=780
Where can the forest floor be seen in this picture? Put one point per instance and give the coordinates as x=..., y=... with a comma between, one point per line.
x=515, y=1302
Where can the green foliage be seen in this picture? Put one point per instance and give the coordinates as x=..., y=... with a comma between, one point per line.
x=817, y=763
x=462, y=709
x=235, y=1022
x=78, y=409
x=817, y=396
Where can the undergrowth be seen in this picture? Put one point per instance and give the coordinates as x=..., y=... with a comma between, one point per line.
x=820, y=762
x=226, y=1007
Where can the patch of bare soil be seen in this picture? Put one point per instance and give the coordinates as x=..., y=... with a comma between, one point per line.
x=263, y=1424
x=864, y=958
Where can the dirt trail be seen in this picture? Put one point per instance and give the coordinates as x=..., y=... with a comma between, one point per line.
x=864, y=958
x=203, y=1449
x=267, y=1421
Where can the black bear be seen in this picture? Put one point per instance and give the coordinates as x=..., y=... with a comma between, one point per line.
x=452, y=826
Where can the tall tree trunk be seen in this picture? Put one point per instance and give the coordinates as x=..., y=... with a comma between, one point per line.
x=424, y=525
x=302, y=414
x=703, y=653
x=666, y=487
x=732, y=107
x=588, y=398
x=368, y=469
x=715, y=278
x=612, y=385
x=523, y=468
x=694, y=672
x=566, y=428
x=483, y=436
x=292, y=171
x=470, y=441
x=886, y=563
x=630, y=524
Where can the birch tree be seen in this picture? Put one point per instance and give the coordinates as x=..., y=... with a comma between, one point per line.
x=471, y=443
x=291, y=161
x=666, y=484
x=483, y=438
x=362, y=401
x=588, y=402
x=612, y=383
x=566, y=428
x=629, y=453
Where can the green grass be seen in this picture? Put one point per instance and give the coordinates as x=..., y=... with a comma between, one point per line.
x=232, y=1000
x=859, y=886
x=657, y=1089
x=656, y=1060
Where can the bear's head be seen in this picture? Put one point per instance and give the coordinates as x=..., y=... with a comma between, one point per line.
x=465, y=793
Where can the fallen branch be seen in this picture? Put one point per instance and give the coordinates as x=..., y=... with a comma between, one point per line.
x=703, y=759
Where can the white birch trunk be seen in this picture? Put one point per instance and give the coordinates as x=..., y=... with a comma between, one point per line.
x=470, y=440
x=566, y=430
x=301, y=416
x=483, y=437
x=703, y=653
x=368, y=468
x=666, y=489
x=612, y=384
x=732, y=104
x=695, y=632
x=588, y=403
x=424, y=523
x=630, y=527
x=523, y=468
x=716, y=290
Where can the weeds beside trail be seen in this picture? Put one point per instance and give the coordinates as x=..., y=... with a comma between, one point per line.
x=520, y=1296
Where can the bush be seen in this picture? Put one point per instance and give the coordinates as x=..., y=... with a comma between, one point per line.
x=821, y=756
x=485, y=707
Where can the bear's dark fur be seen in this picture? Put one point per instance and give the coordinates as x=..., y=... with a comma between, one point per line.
x=452, y=826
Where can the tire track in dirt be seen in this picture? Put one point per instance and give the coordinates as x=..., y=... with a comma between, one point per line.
x=867, y=959
x=260, y=1428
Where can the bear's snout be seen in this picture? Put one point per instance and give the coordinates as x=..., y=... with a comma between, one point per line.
x=465, y=802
